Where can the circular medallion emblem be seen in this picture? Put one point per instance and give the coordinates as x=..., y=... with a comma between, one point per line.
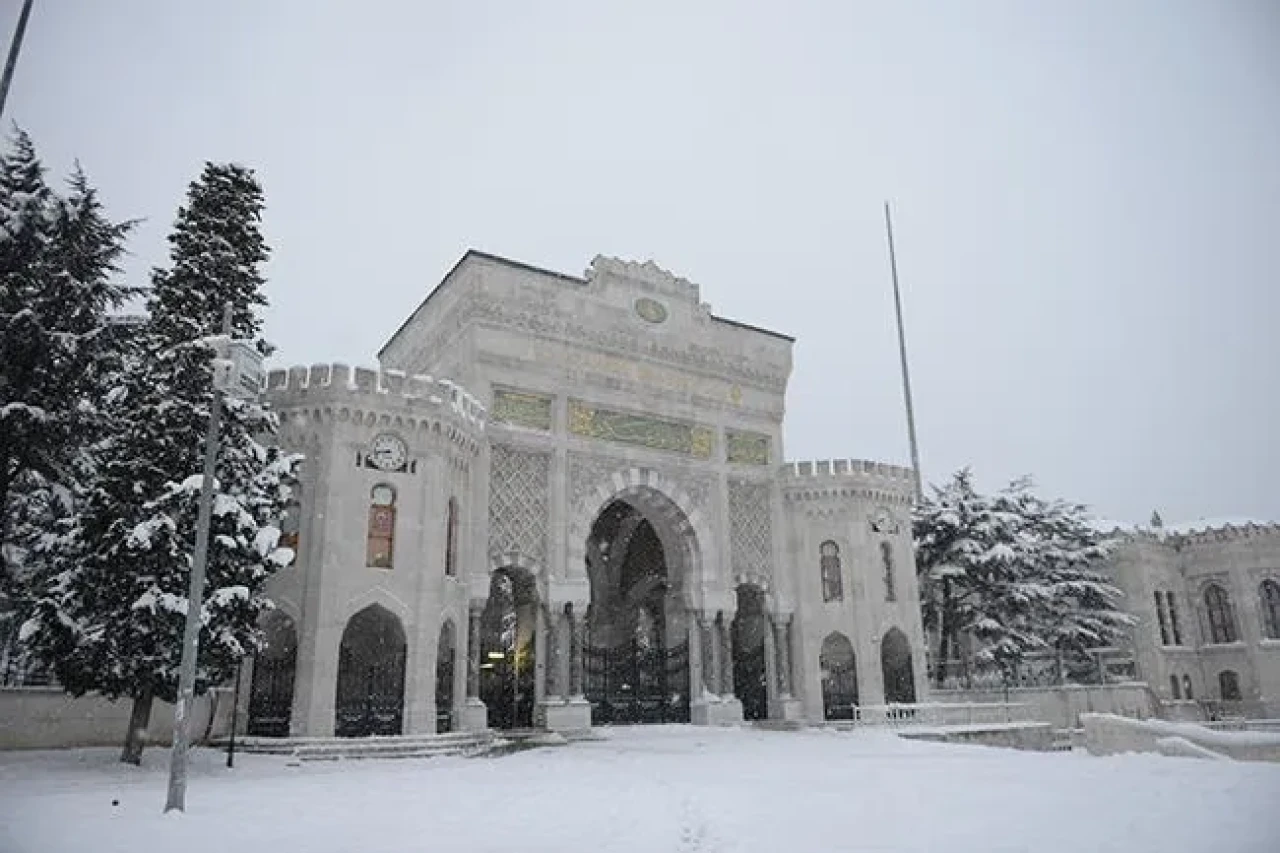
x=651, y=310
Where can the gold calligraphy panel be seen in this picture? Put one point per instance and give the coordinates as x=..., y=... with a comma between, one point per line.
x=751, y=448
x=521, y=409
x=641, y=430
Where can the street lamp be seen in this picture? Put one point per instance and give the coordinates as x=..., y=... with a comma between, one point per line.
x=237, y=372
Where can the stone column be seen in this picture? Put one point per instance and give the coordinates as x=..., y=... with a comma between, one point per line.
x=782, y=650
x=475, y=716
x=473, y=651
x=577, y=638
x=697, y=683
x=716, y=673
x=726, y=656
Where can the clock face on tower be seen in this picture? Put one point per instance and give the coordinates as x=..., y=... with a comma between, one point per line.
x=388, y=452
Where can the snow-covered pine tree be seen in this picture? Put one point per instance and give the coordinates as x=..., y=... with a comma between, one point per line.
x=58, y=263
x=967, y=549
x=1075, y=605
x=110, y=612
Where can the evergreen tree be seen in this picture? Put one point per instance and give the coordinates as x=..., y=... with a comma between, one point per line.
x=58, y=358
x=109, y=612
x=1015, y=572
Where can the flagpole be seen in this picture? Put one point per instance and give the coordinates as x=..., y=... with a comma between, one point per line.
x=902, y=354
x=14, y=47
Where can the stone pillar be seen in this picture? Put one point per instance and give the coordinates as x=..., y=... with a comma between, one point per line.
x=570, y=710
x=577, y=637
x=714, y=680
x=782, y=650
x=726, y=656
x=790, y=708
x=697, y=684
x=475, y=716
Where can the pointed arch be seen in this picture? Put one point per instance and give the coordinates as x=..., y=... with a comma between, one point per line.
x=838, y=667
x=896, y=665
x=371, y=669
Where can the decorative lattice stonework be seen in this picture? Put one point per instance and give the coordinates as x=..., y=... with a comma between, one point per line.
x=518, y=502
x=749, y=448
x=522, y=409
x=750, y=528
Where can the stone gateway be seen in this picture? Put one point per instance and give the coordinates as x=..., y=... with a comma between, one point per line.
x=562, y=502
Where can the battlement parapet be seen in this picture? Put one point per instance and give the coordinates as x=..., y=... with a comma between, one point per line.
x=1194, y=533
x=340, y=383
x=847, y=478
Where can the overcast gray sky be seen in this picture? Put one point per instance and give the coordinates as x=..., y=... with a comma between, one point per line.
x=1086, y=196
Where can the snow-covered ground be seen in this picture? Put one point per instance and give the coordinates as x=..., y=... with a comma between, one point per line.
x=652, y=790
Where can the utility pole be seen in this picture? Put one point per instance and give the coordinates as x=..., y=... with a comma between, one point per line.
x=195, y=603
x=902, y=354
x=14, y=47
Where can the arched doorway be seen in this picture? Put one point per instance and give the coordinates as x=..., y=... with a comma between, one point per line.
x=636, y=656
x=839, y=669
x=508, y=628
x=750, y=684
x=271, y=690
x=446, y=657
x=371, y=660
x=895, y=663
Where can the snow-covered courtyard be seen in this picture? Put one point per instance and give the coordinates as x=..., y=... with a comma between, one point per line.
x=651, y=789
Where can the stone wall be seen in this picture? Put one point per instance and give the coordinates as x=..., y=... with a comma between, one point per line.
x=48, y=718
x=1063, y=706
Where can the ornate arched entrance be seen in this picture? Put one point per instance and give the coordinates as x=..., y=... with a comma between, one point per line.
x=895, y=662
x=636, y=649
x=508, y=634
x=371, y=660
x=750, y=625
x=839, y=670
x=271, y=690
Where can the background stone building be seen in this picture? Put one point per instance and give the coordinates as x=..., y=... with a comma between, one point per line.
x=589, y=521
x=1207, y=600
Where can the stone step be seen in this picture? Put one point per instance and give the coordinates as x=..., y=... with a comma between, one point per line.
x=405, y=746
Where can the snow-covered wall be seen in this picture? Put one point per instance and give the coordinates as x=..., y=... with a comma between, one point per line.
x=1065, y=705
x=1107, y=734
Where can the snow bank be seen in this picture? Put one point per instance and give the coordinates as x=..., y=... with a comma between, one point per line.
x=1180, y=747
x=1107, y=734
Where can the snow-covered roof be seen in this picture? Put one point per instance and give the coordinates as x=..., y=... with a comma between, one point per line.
x=1184, y=528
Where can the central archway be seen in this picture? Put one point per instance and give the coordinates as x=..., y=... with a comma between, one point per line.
x=636, y=654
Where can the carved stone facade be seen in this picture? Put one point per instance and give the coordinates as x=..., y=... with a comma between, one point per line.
x=620, y=387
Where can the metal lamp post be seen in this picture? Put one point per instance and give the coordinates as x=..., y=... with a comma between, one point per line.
x=237, y=372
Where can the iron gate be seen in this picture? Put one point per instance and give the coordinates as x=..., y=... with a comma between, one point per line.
x=634, y=683
x=271, y=696
x=749, y=682
x=370, y=693
x=839, y=691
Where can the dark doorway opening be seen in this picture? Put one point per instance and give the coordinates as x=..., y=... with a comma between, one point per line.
x=371, y=662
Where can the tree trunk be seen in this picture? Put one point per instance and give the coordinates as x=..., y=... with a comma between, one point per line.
x=139, y=719
x=945, y=632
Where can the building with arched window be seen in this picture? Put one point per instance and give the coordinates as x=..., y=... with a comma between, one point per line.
x=590, y=520
x=1207, y=601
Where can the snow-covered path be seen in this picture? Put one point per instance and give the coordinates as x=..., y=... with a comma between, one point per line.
x=652, y=790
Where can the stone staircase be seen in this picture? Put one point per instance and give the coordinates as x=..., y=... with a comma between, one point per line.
x=344, y=748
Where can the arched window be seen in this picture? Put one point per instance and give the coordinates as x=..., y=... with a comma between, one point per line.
x=382, y=527
x=832, y=585
x=1173, y=618
x=886, y=557
x=451, y=539
x=1269, y=592
x=1160, y=615
x=1222, y=621
x=1229, y=686
x=1174, y=687
x=1186, y=687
